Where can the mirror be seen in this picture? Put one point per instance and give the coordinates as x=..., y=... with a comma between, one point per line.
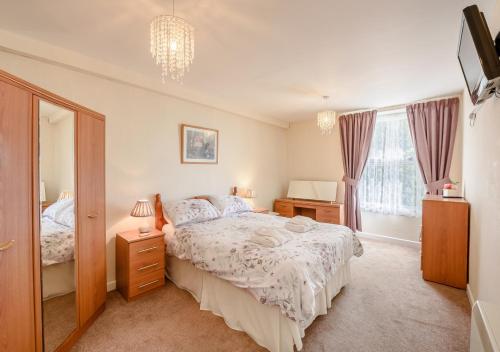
x=57, y=223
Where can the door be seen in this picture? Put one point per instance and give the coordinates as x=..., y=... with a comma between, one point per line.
x=17, y=316
x=91, y=215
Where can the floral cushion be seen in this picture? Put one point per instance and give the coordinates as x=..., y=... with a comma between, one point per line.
x=191, y=211
x=227, y=205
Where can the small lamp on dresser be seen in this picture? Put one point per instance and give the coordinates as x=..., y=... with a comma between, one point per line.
x=65, y=195
x=43, y=197
x=142, y=209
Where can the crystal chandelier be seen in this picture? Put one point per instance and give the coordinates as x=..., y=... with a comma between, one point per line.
x=172, y=45
x=326, y=119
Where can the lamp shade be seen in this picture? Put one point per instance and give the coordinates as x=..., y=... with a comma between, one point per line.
x=250, y=193
x=65, y=195
x=43, y=198
x=142, y=209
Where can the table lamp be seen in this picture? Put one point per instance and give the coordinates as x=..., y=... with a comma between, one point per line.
x=142, y=209
x=43, y=197
x=65, y=195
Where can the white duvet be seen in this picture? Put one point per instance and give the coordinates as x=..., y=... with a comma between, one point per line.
x=288, y=276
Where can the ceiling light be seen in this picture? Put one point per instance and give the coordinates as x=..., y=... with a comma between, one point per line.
x=326, y=119
x=172, y=45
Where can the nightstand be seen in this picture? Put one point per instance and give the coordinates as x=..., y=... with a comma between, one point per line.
x=140, y=262
x=261, y=210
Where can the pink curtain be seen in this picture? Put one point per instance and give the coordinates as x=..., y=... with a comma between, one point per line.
x=433, y=126
x=356, y=132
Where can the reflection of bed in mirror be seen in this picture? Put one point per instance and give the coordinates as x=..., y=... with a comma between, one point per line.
x=57, y=241
x=57, y=223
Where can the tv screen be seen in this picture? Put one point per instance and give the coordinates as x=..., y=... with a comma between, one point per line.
x=477, y=55
x=469, y=60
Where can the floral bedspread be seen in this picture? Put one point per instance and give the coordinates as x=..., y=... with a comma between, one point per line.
x=57, y=242
x=288, y=276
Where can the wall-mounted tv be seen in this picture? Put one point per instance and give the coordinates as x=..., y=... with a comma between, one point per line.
x=478, y=56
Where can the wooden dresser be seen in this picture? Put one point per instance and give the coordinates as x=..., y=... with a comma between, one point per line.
x=140, y=263
x=445, y=240
x=332, y=213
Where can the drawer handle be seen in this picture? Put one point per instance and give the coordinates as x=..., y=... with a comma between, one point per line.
x=147, y=249
x=148, y=284
x=147, y=267
x=92, y=215
x=6, y=245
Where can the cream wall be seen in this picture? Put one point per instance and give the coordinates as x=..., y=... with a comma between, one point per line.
x=142, y=144
x=313, y=156
x=481, y=169
x=57, y=156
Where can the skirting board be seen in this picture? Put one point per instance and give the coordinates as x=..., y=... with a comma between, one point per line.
x=399, y=241
x=470, y=296
x=111, y=286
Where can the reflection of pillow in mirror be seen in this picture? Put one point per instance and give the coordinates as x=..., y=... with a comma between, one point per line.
x=66, y=216
x=230, y=204
x=54, y=209
x=190, y=211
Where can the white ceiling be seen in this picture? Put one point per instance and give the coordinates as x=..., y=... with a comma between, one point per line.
x=271, y=58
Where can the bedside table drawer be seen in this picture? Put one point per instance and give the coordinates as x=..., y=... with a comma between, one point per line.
x=146, y=282
x=151, y=248
x=146, y=265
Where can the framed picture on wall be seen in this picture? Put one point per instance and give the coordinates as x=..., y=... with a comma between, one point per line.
x=199, y=145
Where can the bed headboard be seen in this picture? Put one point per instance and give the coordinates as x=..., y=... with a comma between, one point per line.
x=160, y=219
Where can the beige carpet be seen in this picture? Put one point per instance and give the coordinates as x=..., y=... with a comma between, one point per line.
x=387, y=307
x=59, y=320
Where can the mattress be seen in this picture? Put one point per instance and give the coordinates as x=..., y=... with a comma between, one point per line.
x=265, y=324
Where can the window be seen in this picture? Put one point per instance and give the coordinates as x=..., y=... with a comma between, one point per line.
x=391, y=182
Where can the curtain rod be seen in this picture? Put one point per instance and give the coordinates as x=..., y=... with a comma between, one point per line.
x=400, y=106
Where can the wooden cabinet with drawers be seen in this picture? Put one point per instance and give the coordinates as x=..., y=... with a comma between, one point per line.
x=332, y=213
x=445, y=240
x=140, y=262
x=284, y=208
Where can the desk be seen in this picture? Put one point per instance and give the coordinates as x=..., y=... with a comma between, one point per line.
x=332, y=213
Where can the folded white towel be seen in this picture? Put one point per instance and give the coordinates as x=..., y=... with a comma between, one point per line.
x=270, y=237
x=299, y=228
x=301, y=224
x=302, y=220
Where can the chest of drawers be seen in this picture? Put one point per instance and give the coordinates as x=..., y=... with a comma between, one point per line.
x=140, y=263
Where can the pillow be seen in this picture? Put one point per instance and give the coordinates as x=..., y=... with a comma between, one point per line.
x=54, y=210
x=66, y=216
x=190, y=211
x=230, y=204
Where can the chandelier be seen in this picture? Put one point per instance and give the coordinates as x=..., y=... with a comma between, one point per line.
x=326, y=119
x=172, y=45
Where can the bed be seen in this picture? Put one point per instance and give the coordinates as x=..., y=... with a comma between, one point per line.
x=273, y=294
x=57, y=244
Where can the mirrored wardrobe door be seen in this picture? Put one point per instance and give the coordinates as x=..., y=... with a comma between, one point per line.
x=56, y=130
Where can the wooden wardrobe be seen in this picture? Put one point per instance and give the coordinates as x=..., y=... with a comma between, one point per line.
x=21, y=302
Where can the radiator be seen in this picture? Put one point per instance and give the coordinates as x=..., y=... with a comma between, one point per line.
x=485, y=328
